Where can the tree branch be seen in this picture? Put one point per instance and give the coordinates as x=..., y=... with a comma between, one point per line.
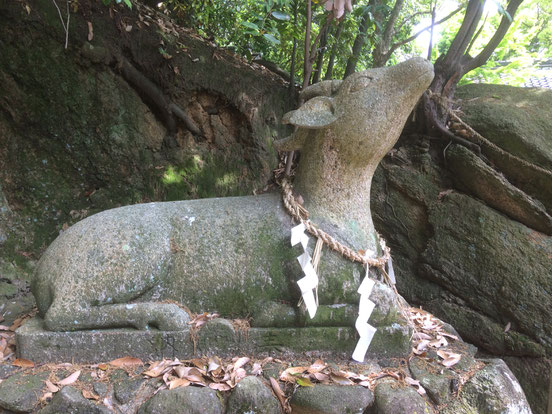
x=459, y=44
x=407, y=19
x=414, y=36
x=503, y=27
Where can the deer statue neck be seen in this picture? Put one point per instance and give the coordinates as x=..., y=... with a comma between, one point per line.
x=337, y=193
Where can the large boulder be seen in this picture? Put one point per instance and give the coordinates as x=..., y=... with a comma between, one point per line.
x=460, y=248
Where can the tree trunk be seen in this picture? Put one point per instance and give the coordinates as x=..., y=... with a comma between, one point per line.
x=357, y=45
x=452, y=66
x=320, y=59
x=333, y=53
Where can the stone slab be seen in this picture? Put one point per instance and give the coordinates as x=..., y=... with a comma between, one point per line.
x=217, y=337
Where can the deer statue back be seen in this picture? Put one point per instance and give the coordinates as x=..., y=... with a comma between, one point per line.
x=123, y=267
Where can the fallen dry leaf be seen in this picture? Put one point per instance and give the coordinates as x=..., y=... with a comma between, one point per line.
x=415, y=383
x=90, y=395
x=317, y=366
x=278, y=391
x=185, y=372
x=178, y=382
x=449, y=358
x=240, y=362
x=126, y=362
x=220, y=386
x=23, y=363
x=421, y=335
x=257, y=369
x=51, y=387
x=157, y=368
x=448, y=335
x=507, y=327
x=213, y=365
x=320, y=376
x=341, y=380
x=70, y=379
x=90, y=31
x=439, y=342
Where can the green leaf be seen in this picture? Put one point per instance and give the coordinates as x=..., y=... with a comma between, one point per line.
x=250, y=25
x=304, y=382
x=128, y=3
x=106, y=2
x=271, y=39
x=280, y=16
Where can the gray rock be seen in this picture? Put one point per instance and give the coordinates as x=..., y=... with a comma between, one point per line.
x=252, y=396
x=100, y=388
x=390, y=398
x=514, y=120
x=69, y=400
x=126, y=388
x=469, y=171
x=331, y=399
x=22, y=391
x=533, y=375
x=192, y=400
x=7, y=370
x=434, y=378
x=494, y=390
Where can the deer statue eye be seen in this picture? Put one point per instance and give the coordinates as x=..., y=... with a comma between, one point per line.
x=360, y=84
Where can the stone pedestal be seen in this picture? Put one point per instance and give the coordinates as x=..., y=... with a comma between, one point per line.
x=217, y=337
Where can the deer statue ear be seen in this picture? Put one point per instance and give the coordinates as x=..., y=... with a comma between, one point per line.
x=324, y=88
x=292, y=143
x=316, y=113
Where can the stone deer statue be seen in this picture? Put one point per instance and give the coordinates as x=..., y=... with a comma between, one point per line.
x=127, y=266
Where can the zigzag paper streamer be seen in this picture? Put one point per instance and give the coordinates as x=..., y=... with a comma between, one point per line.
x=308, y=283
x=365, y=308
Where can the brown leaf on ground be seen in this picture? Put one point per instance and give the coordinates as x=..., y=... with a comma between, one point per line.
x=439, y=342
x=416, y=384
x=338, y=379
x=157, y=369
x=23, y=363
x=317, y=366
x=421, y=336
x=70, y=379
x=51, y=387
x=320, y=376
x=126, y=361
x=257, y=369
x=178, y=382
x=186, y=372
x=240, y=362
x=448, y=335
x=449, y=358
x=278, y=392
x=89, y=395
x=220, y=386
x=214, y=365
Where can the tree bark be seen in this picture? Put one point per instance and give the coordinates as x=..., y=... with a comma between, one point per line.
x=320, y=59
x=333, y=53
x=452, y=66
x=358, y=44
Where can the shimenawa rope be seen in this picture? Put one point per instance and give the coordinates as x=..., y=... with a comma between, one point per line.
x=299, y=213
